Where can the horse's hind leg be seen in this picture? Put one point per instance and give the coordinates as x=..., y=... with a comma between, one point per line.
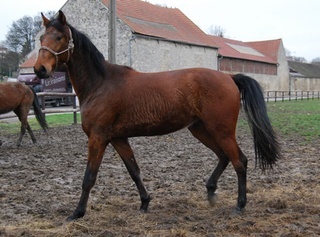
x=199, y=131
x=123, y=148
x=33, y=138
x=226, y=148
x=22, y=132
x=23, y=117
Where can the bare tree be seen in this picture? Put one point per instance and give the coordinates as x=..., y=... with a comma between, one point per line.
x=293, y=58
x=316, y=61
x=297, y=59
x=20, y=35
x=22, y=32
x=216, y=30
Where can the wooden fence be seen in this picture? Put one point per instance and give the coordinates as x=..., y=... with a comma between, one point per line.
x=52, y=110
x=74, y=108
x=291, y=95
x=269, y=96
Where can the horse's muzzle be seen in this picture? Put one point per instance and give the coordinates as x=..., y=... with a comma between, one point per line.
x=41, y=72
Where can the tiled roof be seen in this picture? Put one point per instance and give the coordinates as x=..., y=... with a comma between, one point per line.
x=307, y=70
x=267, y=47
x=30, y=62
x=152, y=20
x=242, y=50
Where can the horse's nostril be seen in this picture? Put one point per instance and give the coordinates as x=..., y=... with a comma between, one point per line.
x=42, y=72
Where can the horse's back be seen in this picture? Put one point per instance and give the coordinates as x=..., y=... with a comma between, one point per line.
x=195, y=87
x=159, y=103
x=13, y=95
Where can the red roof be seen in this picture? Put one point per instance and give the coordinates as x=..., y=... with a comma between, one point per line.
x=244, y=50
x=156, y=21
x=267, y=47
x=30, y=62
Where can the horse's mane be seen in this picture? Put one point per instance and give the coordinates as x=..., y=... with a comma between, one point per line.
x=91, y=50
x=82, y=41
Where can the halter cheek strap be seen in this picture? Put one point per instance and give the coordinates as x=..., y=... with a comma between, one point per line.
x=68, y=49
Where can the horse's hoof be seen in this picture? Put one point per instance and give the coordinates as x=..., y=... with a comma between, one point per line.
x=71, y=218
x=145, y=204
x=213, y=199
x=144, y=208
x=238, y=211
x=75, y=216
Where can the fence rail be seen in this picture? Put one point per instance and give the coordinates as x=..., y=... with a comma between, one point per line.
x=45, y=110
x=269, y=96
x=291, y=95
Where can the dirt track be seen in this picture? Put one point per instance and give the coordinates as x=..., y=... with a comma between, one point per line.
x=40, y=186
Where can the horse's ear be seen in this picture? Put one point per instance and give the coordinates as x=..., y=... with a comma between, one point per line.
x=62, y=18
x=45, y=20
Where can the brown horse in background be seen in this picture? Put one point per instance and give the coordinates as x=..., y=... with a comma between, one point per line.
x=118, y=102
x=17, y=97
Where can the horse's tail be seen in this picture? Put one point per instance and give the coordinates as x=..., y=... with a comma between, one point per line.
x=265, y=143
x=38, y=112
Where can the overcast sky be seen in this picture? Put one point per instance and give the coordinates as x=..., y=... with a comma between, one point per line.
x=295, y=21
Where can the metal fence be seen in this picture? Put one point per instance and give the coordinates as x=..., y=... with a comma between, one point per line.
x=291, y=95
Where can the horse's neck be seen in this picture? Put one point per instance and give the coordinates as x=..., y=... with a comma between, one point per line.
x=80, y=80
x=84, y=79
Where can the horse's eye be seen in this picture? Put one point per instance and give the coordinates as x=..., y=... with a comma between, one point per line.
x=59, y=38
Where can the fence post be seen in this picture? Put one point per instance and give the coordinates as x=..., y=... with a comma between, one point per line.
x=43, y=105
x=74, y=107
x=289, y=95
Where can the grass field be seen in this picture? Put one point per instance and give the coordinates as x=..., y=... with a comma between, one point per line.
x=301, y=118
x=52, y=120
x=289, y=118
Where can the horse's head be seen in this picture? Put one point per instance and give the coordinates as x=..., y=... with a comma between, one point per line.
x=56, y=46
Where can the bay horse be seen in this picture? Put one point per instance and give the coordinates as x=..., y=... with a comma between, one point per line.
x=118, y=102
x=18, y=97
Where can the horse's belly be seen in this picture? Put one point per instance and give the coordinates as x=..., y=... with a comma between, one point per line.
x=153, y=127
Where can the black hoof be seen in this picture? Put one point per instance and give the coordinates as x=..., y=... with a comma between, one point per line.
x=144, y=204
x=212, y=198
x=238, y=211
x=75, y=216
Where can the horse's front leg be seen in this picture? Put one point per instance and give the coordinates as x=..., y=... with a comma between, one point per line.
x=122, y=146
x=97, y=146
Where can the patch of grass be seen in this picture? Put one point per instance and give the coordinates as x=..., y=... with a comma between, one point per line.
x=300, y=118
x=289, y=118
x=53, y=120
x=292, y=118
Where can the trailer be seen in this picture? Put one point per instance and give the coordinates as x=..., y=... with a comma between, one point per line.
x=58, y=82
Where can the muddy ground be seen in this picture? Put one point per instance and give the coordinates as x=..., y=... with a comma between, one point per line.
x=40, y=186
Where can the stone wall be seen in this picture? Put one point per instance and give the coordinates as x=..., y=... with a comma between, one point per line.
x=270, y=77
x=305, y=84
x=154, y=55
x=143, y=54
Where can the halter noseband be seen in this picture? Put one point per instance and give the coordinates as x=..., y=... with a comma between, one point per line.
x=56, y=54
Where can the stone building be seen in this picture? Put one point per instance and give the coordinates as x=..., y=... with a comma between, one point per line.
x=263, y=60
x=154, y=38
x=148, y=37
x=304, y=76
